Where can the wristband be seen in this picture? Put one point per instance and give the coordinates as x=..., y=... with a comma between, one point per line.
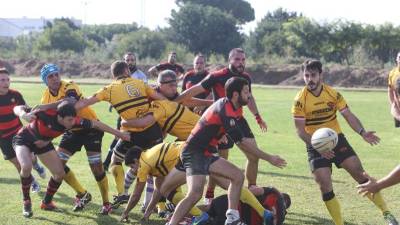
x=258, y=118
x=361, y=131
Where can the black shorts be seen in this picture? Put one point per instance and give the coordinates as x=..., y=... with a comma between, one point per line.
x=7, y=148
x=25, y=138
x=246, y=131
x=196, y=161
x=144, y=140
x=179, y=166
x=91, y=139
x=343, y=150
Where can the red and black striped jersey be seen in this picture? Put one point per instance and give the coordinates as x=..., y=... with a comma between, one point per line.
x=192, y=78
x=220, y=118
x=215, y=81
x=178, y=69
x=9, y=122
x=47, y=127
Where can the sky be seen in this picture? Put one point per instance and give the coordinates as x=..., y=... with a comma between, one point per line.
x=154, y=13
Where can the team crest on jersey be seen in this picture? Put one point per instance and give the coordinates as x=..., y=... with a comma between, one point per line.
x=232, y=122
x=331, y=105
x=132, y=91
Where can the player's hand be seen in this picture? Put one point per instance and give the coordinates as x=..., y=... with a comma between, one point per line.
x=124, y=217
x=28, y=117
x=277, y=161
x=199, y=109
x=370, y=137
x=41, y=143
x=223, y=140
x=369, y=187
x=328, y=154
x=38, y=108
x=125, y=136
x=124, y=123
x=261, y=123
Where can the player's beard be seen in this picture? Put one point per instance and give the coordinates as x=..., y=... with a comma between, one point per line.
x=132, y=68
x=236, y=70
x=313, y=86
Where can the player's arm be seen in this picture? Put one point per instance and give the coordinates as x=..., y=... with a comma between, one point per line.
x=133, y=200
x=193, y=102
x=23, y=112
x=355, y=124
x=253, y=109
x=84, y=102
x=139, y=122
x=104, y=127
x=153, y=71
x=189, y=93
x=249, y=145
x=373, y=186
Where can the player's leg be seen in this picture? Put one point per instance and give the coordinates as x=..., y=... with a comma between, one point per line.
x=39, y=169
x=223, y=153
x=51, y=160
x=354, y=167
x=107, y=161
x=221, y=167
x=25, y=161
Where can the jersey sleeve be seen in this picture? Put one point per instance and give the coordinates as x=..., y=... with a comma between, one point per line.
x=232, y=128
x=72, y=91
x=298, y=107
x=185, y=78
x=83, y=123
x=341, y=103
x=19, y=100
x=158, y=110
x=149, y=91
x=143, y=171
x=104, y=94
x=208, y=82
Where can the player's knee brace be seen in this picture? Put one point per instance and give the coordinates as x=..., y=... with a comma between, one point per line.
x=94, y=159
x=63, y=156
x=328, y=196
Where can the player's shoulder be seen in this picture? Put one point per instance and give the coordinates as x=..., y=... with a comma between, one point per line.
x=301, y=94
x=189, y=73
x=221, y=72
x=13, y=92
x=329, y=89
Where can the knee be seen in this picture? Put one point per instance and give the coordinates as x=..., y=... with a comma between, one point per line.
x=25, y=170
x=59, y=175
x=194, y=196
x=324, y=185
x=238, y=179
x=252, y=158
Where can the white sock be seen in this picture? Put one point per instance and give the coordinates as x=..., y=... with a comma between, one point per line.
x=149, y=190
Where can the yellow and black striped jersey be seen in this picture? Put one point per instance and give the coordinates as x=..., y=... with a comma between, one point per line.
x=174, y=118
x=394, y=74
x=69, y=89
x=129, y=97
x=319, y=111
x=159, y=160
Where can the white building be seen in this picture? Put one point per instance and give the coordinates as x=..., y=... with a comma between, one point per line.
x=12, y=27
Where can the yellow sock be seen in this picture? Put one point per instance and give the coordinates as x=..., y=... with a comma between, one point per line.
x=118, y=173
x=377, y=199
x=178, y=196
x=333, y=207
x=71, y=180
x=103, y=186
x=247, y=197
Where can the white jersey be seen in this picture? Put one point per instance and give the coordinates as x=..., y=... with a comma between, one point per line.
x=138, y=74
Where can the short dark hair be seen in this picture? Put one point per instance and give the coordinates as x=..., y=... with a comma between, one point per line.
x=4, y=70
x=165, y=74
x=129, y=53
x=234, y=84
x=235, y=50
x=118, y=68
x=312, y=64
x=65, y=108
x=132, y=154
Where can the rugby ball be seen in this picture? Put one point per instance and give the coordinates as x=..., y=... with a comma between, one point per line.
x=324, y=139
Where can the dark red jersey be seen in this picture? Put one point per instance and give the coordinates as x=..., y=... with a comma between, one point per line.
x=219, y=119
x=9, y=122
x=215, y=81
x=192, y=78
x=178, y=69
x=47, y=127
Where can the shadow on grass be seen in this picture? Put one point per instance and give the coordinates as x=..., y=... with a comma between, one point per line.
x=299, y=218
x=4, y=180
x=294, y=176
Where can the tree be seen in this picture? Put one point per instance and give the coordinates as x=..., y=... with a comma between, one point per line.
x=205, y=29
x=239, y=9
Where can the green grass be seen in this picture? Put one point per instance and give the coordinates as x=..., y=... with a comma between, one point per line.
x=295, y=179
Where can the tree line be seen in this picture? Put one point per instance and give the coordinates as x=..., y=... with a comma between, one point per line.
x=213, y=28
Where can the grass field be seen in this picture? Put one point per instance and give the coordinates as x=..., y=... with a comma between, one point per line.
x=307, y=206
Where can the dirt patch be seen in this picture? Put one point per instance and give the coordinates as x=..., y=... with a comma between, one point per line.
x=261, y=74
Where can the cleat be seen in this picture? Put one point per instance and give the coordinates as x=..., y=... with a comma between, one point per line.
x=389, y=218
x=200, y=220
x=41, y=171
x=143, y=208
x=120, y=200
x=236, y=222
x=27, y=209
x=35, y=187
x=164, y=214
x=268, y=218
x=81, y=201
x=48, y=206
x=106, y=209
